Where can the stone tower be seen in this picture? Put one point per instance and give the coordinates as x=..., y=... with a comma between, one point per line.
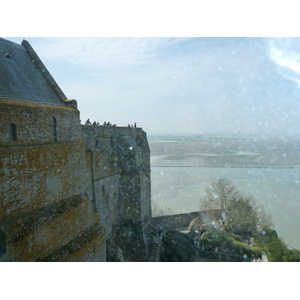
x=118, y=164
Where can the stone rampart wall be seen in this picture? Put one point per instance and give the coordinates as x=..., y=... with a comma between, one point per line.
x=184, y=220
x=118, y=164
x=123, y=154
x=175, y=221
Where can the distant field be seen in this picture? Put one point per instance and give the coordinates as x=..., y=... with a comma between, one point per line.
x=226, y=152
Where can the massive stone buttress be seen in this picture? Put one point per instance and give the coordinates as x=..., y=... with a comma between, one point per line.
x=118, y=161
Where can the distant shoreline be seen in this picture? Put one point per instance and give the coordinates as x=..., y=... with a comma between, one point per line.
x=258, y=167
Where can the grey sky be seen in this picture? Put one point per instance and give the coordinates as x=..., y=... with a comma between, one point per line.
x=180, y=85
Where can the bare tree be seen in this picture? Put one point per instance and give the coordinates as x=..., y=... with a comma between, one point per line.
x=239, y=210
x=219, y=195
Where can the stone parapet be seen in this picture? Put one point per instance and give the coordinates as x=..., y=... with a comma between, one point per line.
x=175, y=221
x=181, y=220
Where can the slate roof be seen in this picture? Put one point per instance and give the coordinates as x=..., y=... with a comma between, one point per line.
x=24, y=77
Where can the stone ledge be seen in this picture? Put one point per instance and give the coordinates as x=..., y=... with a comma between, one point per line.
x=19, y=227
x=74, y=245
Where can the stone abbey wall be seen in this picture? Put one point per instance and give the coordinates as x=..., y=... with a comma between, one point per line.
x=68, y=192
x=61, y=180
x=43, y=206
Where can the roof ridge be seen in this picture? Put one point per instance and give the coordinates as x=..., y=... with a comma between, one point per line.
x=57, y=90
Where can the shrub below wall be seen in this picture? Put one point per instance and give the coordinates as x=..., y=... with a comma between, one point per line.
x=176, y=247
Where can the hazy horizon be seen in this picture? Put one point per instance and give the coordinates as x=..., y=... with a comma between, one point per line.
x=225, y=134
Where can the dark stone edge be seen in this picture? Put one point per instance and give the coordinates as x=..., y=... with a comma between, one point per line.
x=74, y=245
x=26, y=223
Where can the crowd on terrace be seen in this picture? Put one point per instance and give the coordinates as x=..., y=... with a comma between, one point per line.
x=88, y=122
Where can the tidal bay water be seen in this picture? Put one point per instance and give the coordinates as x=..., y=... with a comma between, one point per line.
x=179, y=188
